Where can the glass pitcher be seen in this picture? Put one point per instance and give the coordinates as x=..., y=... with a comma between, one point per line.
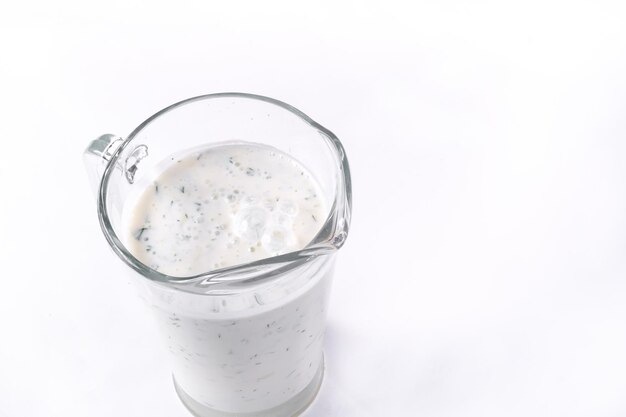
x=245, y=340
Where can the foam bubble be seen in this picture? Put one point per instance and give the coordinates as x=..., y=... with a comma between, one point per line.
x=289, y=207
x=250, y=200
x=250, y=223
x=277, y=240
x=282, y=220
x=269, y=204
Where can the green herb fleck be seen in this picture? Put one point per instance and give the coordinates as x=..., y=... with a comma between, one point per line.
x=139, y=232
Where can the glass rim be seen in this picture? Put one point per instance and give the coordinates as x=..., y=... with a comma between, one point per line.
x=239, y=277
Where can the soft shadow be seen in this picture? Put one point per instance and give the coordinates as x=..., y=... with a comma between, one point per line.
x=333, y=400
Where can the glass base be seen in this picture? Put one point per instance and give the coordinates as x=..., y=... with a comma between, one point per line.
x=292, y=408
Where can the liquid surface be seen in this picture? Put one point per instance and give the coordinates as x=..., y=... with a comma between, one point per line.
x=224, y=205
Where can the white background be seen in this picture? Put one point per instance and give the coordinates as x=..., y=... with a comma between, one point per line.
x=485, y=270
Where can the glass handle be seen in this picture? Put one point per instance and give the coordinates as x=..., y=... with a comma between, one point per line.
x=97, y=156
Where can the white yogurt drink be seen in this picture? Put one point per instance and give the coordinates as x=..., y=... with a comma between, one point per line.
x=225, y=205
